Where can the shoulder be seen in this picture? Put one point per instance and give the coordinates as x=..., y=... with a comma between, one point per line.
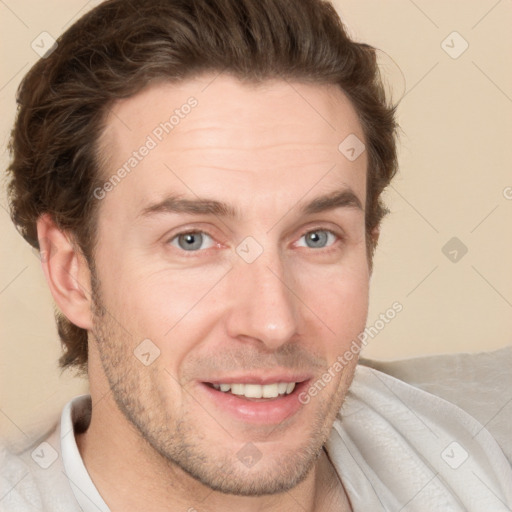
x=422, y=432
x=17, y=489
x=32, y=476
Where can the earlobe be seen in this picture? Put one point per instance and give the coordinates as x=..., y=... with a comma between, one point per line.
x=67, y=272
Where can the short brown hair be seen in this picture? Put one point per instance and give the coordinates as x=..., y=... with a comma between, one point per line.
x=119, y=47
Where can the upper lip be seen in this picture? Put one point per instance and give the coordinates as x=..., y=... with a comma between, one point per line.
x=259, y=378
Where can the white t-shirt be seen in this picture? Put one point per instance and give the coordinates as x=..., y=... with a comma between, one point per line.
x=394, y=446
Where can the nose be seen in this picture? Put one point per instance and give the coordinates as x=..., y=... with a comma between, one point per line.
x=263, y=305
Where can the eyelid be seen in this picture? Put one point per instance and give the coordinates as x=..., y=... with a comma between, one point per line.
x=184, y=230
x=177, y=235
x=337, y=233
x=200, y=227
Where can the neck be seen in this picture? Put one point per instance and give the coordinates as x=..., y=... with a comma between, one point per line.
x=129, y=474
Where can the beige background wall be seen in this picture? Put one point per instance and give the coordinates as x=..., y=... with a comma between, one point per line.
x=455, y=181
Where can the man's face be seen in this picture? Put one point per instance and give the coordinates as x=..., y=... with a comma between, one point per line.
x=256, y=300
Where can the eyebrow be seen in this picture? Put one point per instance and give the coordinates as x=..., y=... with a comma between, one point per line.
x=339, y=199
x=202, y=206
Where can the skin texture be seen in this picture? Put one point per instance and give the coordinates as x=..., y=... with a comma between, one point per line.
x=155, y=435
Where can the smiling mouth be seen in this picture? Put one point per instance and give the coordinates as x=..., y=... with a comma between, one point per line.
x=256, y=391
x=253, y=402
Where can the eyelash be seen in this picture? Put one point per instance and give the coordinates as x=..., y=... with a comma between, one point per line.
x=191, y=254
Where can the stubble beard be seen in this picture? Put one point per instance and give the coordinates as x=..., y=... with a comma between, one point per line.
x=178, y=442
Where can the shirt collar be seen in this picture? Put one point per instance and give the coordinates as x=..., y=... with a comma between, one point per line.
x=82, y=486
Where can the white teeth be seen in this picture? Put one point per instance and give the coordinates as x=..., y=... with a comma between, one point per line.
x=270, y=391
x=257, y=390
x=237, y=389
x=282, y=387
x=290, y=387
x=253, y=391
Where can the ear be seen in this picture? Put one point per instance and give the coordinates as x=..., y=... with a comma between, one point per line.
x=67, y=272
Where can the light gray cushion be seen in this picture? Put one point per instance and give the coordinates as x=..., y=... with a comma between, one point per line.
x=480, y=383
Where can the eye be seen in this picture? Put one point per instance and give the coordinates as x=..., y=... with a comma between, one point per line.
x=192, y=241
x=318, y=239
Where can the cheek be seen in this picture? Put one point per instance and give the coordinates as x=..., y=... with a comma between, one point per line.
x=170, y=308
x=339, y=300
x=338, y=294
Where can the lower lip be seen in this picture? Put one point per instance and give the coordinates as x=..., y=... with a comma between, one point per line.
x=270, y=412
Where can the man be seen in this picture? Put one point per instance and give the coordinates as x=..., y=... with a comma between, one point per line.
x=208, y=238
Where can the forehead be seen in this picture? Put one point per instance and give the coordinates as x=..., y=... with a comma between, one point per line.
x=216, y=136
